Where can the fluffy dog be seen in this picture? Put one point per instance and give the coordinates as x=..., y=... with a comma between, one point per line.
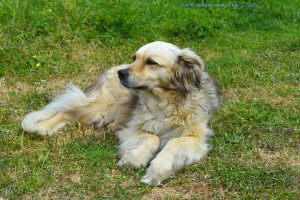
x=159, y=107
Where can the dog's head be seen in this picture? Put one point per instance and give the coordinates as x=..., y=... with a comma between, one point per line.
x=164, y=65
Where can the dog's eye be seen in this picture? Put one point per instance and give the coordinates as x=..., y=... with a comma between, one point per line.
x=134, y=57
x=151, y=62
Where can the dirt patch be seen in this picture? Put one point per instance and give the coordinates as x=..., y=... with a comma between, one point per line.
x=75, y=177
x=256, y=93
x=46, y=193
x=274, y=157
x=197, y=190
x=88, y=56
x=9, y=85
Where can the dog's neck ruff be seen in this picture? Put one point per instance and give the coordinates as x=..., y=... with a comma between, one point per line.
x=162, y=95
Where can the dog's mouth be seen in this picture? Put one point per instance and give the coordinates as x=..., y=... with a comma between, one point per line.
x=131, y=86
x=127, y=82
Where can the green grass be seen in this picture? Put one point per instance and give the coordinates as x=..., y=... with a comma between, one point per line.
x=252, y=52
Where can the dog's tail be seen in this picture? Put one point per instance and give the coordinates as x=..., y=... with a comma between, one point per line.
x=58, y=113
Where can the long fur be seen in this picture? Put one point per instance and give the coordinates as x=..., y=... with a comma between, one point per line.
x=96, y=106
x=159, y=112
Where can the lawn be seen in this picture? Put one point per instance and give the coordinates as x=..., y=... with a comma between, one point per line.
x=252, y=49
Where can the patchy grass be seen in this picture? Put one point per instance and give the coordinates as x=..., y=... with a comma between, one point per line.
x=252, y=51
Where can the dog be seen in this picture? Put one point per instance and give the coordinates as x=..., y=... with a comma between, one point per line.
x=158, y=106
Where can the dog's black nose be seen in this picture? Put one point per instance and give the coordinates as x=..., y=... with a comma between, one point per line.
x=123, y=73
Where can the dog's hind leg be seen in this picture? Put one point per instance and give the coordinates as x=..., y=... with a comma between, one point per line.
x=100, y=103
x=56, y=114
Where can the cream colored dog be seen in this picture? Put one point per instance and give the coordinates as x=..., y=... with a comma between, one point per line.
x=159, y=106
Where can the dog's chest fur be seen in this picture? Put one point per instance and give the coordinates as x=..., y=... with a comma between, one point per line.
x=160, y=114
x=152, y=117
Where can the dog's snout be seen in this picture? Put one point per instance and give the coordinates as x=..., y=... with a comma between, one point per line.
x=123, y=73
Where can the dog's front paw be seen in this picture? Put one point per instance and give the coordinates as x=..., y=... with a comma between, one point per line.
x=130, y=159
x=157, y=172
x=150, y=180
x=126, y=163
x=138, y=155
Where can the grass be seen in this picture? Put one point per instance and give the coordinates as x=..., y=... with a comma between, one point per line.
x=252, y=51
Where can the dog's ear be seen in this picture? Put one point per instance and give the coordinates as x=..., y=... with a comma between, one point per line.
x=190, y=67
x=189, y=59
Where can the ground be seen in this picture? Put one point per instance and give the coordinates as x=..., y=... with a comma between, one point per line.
x=252, y=50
